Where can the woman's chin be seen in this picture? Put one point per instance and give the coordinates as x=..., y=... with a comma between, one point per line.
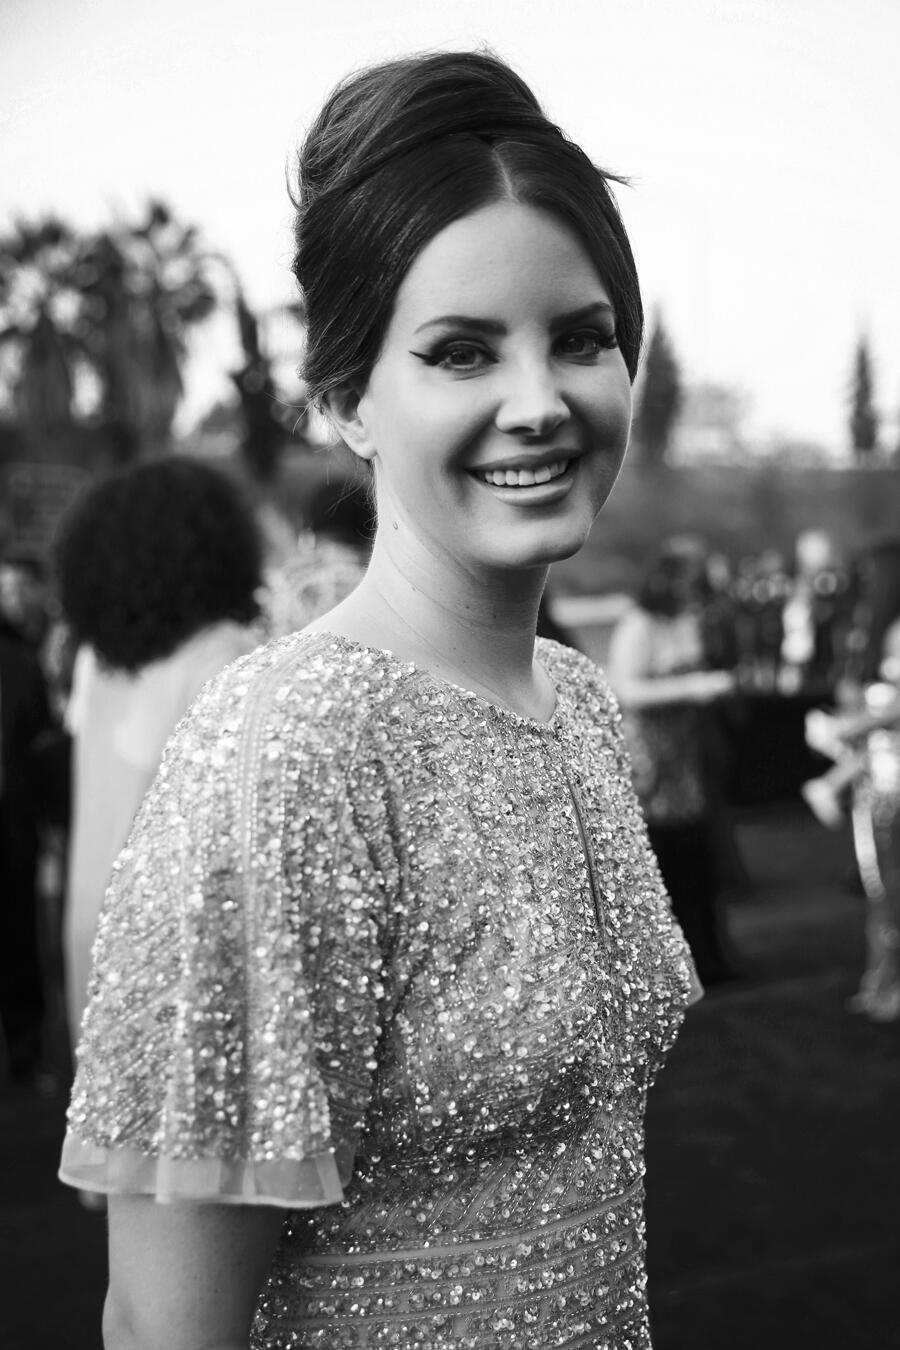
x=553, y=547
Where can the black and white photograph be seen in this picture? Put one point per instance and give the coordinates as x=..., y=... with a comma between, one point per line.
x=449, y=675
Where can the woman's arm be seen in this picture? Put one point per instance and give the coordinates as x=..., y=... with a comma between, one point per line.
x=628, y=670
x=696, y=686
x=829, y=733
x=185, y=1276
x=851, y=727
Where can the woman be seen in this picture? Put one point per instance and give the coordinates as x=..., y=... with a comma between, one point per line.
x=389, y=930
x=657, y=667
x=158, y=570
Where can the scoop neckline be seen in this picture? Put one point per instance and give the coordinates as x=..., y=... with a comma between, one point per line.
x=467, y=695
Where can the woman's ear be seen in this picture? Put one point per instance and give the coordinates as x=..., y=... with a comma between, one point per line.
x=344, y=409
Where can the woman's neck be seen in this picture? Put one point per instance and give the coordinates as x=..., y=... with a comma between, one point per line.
x=476, y=631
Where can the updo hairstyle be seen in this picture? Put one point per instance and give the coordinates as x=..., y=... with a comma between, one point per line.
x=399, y=152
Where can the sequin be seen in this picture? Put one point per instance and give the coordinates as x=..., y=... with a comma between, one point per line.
x=400, y=961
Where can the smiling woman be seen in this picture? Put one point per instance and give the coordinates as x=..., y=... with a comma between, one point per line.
x=495, y=431
x=387, y=966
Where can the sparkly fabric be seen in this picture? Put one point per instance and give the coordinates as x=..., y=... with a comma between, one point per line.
x=401, y=961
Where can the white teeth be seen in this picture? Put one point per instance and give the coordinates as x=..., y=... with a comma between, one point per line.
x=523, y=477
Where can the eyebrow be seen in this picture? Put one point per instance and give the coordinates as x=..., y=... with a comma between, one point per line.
x=492, y=326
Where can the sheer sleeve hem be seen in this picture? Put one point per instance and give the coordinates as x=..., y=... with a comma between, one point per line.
x=289, y=1183
x=696, y=991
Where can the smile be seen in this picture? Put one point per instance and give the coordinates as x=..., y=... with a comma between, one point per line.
x=523, y=478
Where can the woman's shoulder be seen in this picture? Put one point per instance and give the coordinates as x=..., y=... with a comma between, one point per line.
x=302, y=673
x=576, y=675
x=306, y=694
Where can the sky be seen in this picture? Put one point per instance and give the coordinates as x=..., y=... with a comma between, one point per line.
x=761, y=139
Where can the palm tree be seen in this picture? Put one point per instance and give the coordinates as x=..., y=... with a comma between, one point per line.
x=41, y=345
x=118, y=304
x=145, y=287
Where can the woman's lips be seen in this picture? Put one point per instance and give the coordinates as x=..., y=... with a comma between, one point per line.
x=523, y=477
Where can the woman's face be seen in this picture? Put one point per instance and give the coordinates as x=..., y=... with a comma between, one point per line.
x=498, y=411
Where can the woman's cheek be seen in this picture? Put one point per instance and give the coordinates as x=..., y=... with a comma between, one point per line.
x=615, y=420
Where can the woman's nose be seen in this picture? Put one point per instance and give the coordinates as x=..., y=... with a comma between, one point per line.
x=532, y=402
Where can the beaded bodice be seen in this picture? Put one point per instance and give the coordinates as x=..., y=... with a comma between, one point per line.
x=401, y=961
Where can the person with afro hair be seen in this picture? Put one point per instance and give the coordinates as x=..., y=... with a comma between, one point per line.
x=158, y=568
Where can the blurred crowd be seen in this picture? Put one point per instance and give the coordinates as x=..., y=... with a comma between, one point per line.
x=785, y=664
x=159, y=576
x=163, y=574
x=785, y=624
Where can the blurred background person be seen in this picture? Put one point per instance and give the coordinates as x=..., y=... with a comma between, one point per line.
x=24, y=718
x=326, y=562
x=719, y=614
x=816, y=617
x=23, y=598
x=657, y=665
x=51, y=758
x=761, y=590
x=864, y=739
x=158, y=569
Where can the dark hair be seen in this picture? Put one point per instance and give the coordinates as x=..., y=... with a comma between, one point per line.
x=675, y=575
x=880, y=586
x=150, y=555
x=400, y=151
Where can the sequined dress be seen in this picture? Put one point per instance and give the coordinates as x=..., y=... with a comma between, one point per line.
x=400, y=961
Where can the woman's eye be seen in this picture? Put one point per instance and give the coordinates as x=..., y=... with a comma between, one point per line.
x=586, y=344
x=463, y=357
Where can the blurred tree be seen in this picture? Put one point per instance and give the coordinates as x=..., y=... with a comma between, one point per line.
x=660, y=398
x=263, y=429
x=94, y=334
x=144, y=287
x=41, y=347
x=710, y=423
x=863, y=417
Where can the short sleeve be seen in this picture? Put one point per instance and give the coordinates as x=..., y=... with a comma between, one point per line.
x=228, y=1046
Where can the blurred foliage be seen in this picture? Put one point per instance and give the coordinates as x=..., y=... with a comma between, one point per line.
x=143, y=288
x=41, y=335
x=863, y=417
x=659, y=398
x=94, y=331
x=738, y=509
x=267, y=420
x=710, y=424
